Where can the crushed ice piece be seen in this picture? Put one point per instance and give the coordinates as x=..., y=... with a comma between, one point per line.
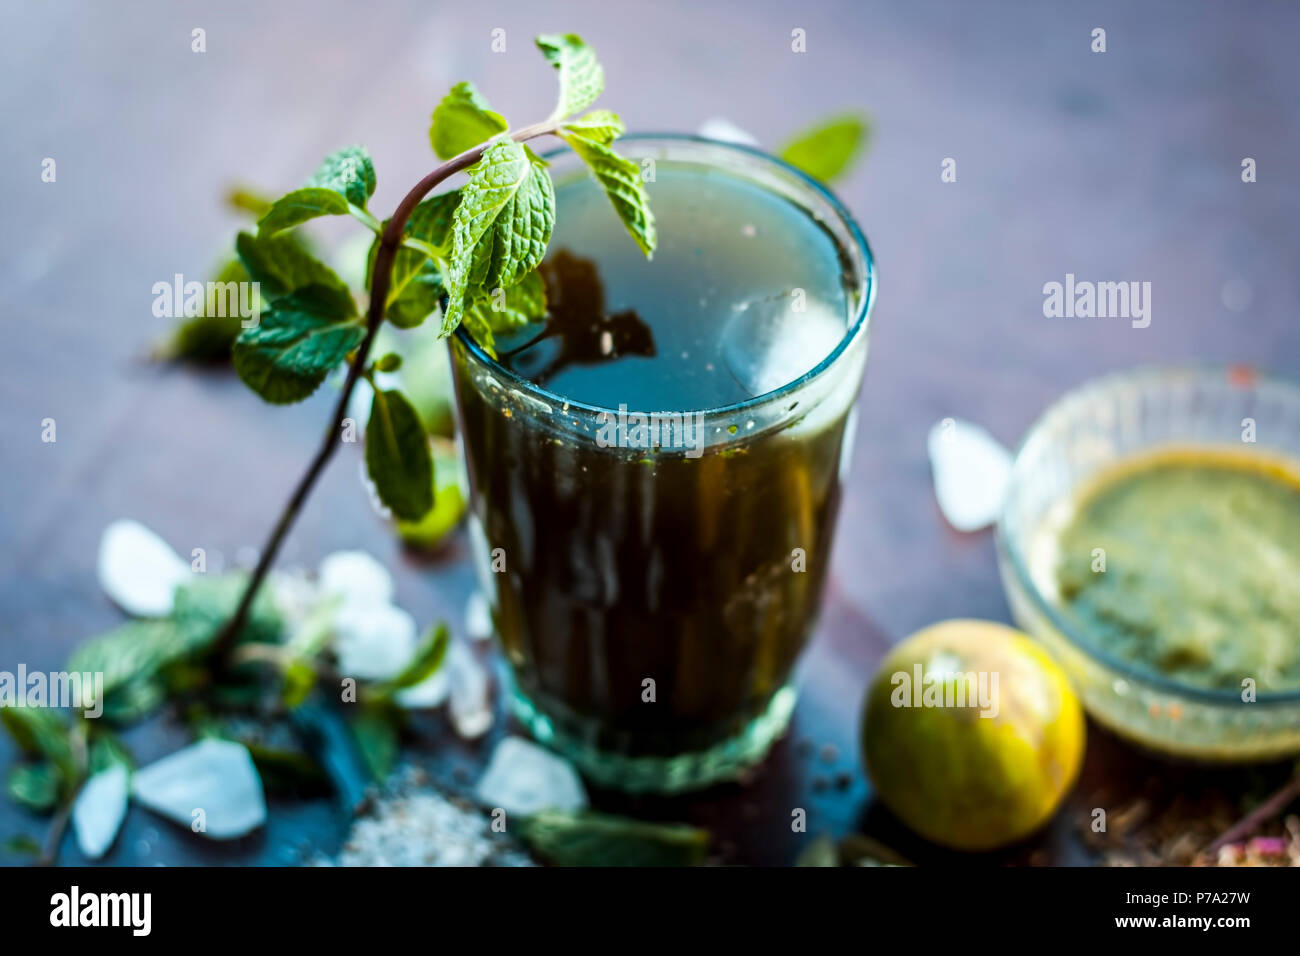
x=971, y=471
x=99, y=810
x=139, y=570
x=357, y=576
x=725, y=131
x=215, y=776
x=373, y=641
x=478, y=617
x=470, y=703
x=523, y=778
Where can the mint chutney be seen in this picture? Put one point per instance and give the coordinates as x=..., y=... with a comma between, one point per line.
x=1201, y=579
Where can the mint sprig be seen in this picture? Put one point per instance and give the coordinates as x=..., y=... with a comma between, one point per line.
x=463, y=120
x=471, y=253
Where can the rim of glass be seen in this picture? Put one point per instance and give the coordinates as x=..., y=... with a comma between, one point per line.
x=856, y=327
x=1011, y=545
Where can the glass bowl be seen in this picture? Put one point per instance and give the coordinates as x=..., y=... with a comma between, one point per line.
x=1091, y=429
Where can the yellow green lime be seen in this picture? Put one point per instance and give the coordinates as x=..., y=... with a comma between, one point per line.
x=972, y=734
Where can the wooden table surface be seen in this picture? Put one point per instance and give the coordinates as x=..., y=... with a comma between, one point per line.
x=1116, y=166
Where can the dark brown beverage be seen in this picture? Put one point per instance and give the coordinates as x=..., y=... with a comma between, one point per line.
x=654, y=574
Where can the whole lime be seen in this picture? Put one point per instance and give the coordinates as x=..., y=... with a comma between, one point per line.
x=971, y=734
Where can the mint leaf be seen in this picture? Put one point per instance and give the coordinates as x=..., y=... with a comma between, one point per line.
x=349, y=172
x=586, y=838
x=137, y=649
x=462, y=120
x=34, y=785
x=428, y=658
x=505, y=309
x=826, y=150
x=599, y=126
x=298, y=342
x=398, y=456
x=500, y=228
x=419, y=298
x=299, y=206
x=581, y=76
x=42, y=732
x=282, y=266
x=622, y=182
x=375, y=731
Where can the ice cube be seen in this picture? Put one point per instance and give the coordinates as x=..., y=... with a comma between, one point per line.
x=357, y=576
x=768, y=343
x=139, y=570
x=523, y=778
x=215, y=776
x=470, y=703
x=99, y=810
x=971, y=472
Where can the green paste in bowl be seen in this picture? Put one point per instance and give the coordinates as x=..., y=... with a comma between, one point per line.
x=1186, y=563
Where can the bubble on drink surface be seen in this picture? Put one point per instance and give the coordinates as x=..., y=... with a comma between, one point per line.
x=768, y=343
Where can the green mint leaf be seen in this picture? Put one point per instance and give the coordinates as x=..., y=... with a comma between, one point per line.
x=430, y=532
x=107, y=750
x=248, y=200
x=500, y=228
x=349, y=172
x=594, y=839
x=463, y=120
x=42, y=732
x=504, y=309
x=134, y=701
x=389, y=362
x=581, y=76
x=34, y=785
x=301, y=205
x=420, y=296
x=599, y=126
x=136, y=650
x=416, y=286
x=428, y=658
x=623, y=184
x=282, y=266
x=205, y=603
x=303, y=337
x=398, y=456
x=430, y=223
x=375, y=732
x=826, y=150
